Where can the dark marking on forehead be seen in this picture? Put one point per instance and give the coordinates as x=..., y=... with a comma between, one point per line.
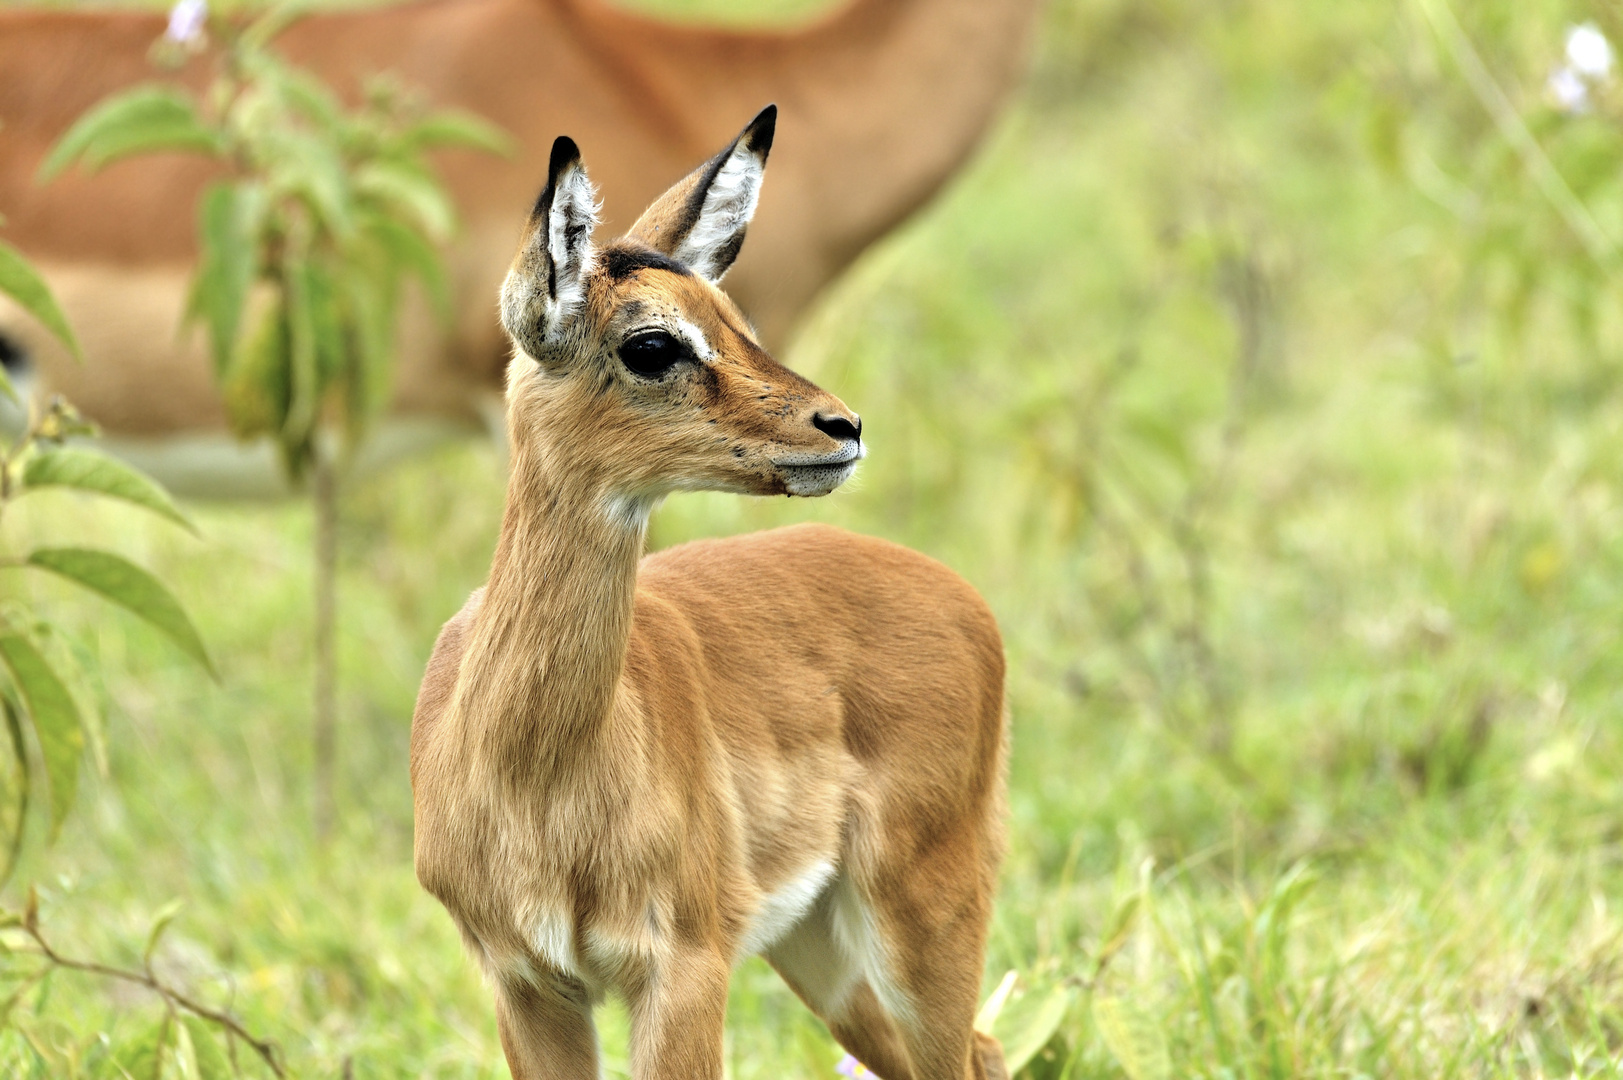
x=620, y=261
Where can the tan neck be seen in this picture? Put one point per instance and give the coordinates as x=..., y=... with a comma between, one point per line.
x=549, y=642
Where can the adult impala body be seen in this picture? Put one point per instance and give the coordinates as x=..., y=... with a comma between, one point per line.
x=631, y=773
x=896, y=90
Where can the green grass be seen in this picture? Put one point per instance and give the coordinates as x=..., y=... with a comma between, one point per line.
x=1306, y=553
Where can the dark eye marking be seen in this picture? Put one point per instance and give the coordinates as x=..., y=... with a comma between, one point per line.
x=652, y=353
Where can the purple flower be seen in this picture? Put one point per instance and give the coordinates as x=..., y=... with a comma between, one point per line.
x=1570, y=91
x=852, y=1067
x=186, y=21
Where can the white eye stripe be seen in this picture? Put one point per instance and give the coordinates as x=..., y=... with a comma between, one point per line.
x=694, y=337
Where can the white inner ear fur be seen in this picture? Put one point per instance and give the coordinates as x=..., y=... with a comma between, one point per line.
x=728, y=207
x=569, y=241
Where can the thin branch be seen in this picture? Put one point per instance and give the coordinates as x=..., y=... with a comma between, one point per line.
x=172, y=998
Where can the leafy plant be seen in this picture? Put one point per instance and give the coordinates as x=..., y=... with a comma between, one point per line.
x=306, y=244
x=44, y=712
x=37, y=697
x=188, y=1031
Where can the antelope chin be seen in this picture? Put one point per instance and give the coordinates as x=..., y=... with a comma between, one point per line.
x=809, y=476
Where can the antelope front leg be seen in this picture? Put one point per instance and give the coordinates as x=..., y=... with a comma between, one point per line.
x=677, y=1017
x=547, y=1034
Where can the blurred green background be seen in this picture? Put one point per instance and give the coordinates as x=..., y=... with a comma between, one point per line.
x=1263, y=373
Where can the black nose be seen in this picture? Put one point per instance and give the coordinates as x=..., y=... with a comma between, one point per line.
x=838, y=427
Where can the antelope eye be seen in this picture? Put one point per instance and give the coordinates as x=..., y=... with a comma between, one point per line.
x=653, y=353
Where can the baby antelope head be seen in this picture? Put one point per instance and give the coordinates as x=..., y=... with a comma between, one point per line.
x=632, y=368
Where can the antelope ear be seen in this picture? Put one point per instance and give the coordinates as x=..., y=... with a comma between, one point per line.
x=701, y=221
x=546, y=285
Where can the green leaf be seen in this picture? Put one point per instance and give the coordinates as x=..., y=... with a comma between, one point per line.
x=228, y=217
x=145, y=1056
x=138, y=121
x=22, y=283
x=88, y=470
x=306, y=94
x=256, y=389
x=212, y=1063
x=449, y=128
x=310, y=169
x=992, y=1008
x=1137, y=1043
x=22, y=781
x=370, y=314
x=1027, y=1023
x=185, y=1054
x=304, y=370
x=330, y=326
x=129, y=586
x=408, y=250
x=1272, y=922
x=1122, y=921
x=55, y=717
x=413, y=192
x=160, y=923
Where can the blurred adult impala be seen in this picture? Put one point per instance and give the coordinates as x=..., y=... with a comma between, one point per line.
x=897, y=92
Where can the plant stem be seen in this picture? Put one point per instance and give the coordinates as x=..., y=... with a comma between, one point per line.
x=266, y=1050
x=325, y=496
x=1514, y=130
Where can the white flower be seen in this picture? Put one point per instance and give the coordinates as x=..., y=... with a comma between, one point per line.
x=1570, y=91
x=186, y=21
x=1588, y=51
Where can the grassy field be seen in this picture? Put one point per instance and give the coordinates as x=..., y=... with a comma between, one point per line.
x=1275, y=408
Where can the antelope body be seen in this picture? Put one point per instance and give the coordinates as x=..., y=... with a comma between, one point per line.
x=629, y=774
x=896, y=90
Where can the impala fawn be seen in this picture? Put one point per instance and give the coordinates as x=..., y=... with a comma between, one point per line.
x=629, y=775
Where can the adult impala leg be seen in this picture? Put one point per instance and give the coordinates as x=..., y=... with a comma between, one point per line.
x=546, y=1031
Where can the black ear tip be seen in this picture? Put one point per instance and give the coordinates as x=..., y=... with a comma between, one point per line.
x=564, y=154
x=758, y=135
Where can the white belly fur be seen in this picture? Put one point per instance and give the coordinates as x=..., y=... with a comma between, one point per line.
x=552, y=932
x=785, y=906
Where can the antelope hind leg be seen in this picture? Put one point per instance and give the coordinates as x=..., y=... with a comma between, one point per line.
x=931, y=941
x=831, y=983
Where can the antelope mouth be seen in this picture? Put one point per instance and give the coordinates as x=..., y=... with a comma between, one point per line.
x=810, y=475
